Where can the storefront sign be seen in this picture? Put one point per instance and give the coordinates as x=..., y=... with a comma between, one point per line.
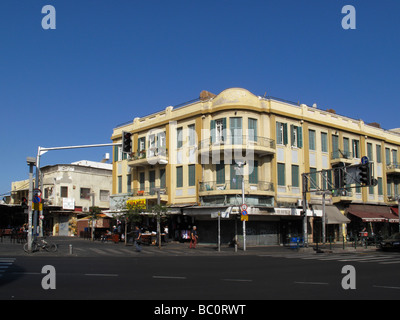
x=139, y=203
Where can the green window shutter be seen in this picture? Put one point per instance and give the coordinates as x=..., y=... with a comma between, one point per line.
x=285, y=134
x=295, y=176
x=252, y=129
x=253, y=176
x=192, y=175
x=162, y=178
x=212, y=133
x=324, y=142
x=220, y=168
x=281, y=174
x=278, y=133
x=299, y=137
x=115, y=153
x=179, y=177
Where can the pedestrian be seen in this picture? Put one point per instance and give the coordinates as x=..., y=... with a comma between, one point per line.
x=136, y=237
x=193, y=238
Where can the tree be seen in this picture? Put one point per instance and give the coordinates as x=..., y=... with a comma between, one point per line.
x=159, y=209
x=131, y=215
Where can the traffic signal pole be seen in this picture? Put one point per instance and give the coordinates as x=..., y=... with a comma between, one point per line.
x=39, y=180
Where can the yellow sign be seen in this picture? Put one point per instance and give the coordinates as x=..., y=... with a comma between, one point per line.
x=139, y=203
x=244, y=217
x=37, y=206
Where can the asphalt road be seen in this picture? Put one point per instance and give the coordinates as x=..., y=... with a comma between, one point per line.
x=198, y=278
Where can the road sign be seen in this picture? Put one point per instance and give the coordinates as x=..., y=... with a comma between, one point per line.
x=364, y=160
x=244, y=218
x=244, y=213
x=37, y=199
x=37, y=206
x=244, y=207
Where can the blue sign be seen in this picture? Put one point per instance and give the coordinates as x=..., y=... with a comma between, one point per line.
x=36, y=199
x=364, y=160
x=244, y=213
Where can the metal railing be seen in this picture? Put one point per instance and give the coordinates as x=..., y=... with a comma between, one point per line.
x=234, y=140
x=151, y=191
x=235, y=185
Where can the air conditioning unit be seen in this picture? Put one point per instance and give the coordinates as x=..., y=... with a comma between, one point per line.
x=299, y=203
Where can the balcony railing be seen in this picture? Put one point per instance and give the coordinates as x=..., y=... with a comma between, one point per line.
x=145, y=192
x=238, y=140
x=340, y=154
x=236, y=185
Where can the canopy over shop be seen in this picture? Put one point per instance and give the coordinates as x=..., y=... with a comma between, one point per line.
x=373, y=218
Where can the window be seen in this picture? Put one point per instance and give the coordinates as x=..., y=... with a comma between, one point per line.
x=389, y=186
x=152, y=145
x=179, y=138
x=85, y=192
x=380, y=187
x=141, y=144
x=179, y=177
x=128, y=183
x=356, y=149
x=281, y=174
x=236, y=179
x=64, y=192
x=346, y=147
x=311, y=139
x=253, y=174
x=217, y=130
x=335, y=147
x=281, y=133
x=162, y=179
x=313, y=179
x=378, y=153
x=220, y=169
x=296, y=136
x=324, y=142
x=104, y=195
x=236, y=130
x=394, y=156
x=387, y=156
x=192, y=175
x=295, y=176
x=369, y=152
x=192, y=135
x=141, y=181
x=252, y=129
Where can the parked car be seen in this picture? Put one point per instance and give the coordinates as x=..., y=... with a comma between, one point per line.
x=391, y=243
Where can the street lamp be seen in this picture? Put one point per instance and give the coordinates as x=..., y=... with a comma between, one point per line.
x=239, y=171
x=31, y=163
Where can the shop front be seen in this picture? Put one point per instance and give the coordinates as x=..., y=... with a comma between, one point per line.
x=375, y=220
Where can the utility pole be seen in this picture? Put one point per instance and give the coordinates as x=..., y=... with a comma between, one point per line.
x=31, y=162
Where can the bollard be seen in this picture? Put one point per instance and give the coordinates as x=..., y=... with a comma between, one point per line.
x=70, y=249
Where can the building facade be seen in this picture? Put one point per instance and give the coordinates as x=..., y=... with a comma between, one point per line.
x=194, y=153
x=69, y=190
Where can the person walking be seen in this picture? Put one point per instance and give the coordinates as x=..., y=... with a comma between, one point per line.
x=136, y=237
x=193, y=238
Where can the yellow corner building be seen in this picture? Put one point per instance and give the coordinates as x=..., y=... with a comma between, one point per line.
x=191, y=155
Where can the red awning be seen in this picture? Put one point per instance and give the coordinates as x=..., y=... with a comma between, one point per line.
x=371, y=213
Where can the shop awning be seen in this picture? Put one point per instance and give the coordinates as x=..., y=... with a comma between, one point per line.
x=371, y=213
x=332, y=214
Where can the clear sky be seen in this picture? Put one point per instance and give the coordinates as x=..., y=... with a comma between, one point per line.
x=109, y=61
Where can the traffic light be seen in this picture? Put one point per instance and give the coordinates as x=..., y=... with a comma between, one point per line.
x=24, y=203
x=126, y=142
x=365, y=174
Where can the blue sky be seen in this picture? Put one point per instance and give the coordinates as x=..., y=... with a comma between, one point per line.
x=108, y=62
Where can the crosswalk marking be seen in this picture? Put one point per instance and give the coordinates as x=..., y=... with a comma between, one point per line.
x=380, y=259
x=5, y=263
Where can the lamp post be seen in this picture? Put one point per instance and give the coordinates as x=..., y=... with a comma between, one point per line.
x=31, y=162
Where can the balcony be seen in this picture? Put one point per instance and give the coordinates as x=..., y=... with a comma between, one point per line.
x=149, y=193
x=258, y=194
x=393, y=169
x=235, y=187
x=339, y=156
x=261, y=146
x=151, y=156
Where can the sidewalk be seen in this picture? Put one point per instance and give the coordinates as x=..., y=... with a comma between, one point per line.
x=79, y=247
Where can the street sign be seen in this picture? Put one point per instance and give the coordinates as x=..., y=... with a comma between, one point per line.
x=244, y=218
x=244, y=213
x=244, y=207
x=36, y=199
x=37, y=192
x=364, y=160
